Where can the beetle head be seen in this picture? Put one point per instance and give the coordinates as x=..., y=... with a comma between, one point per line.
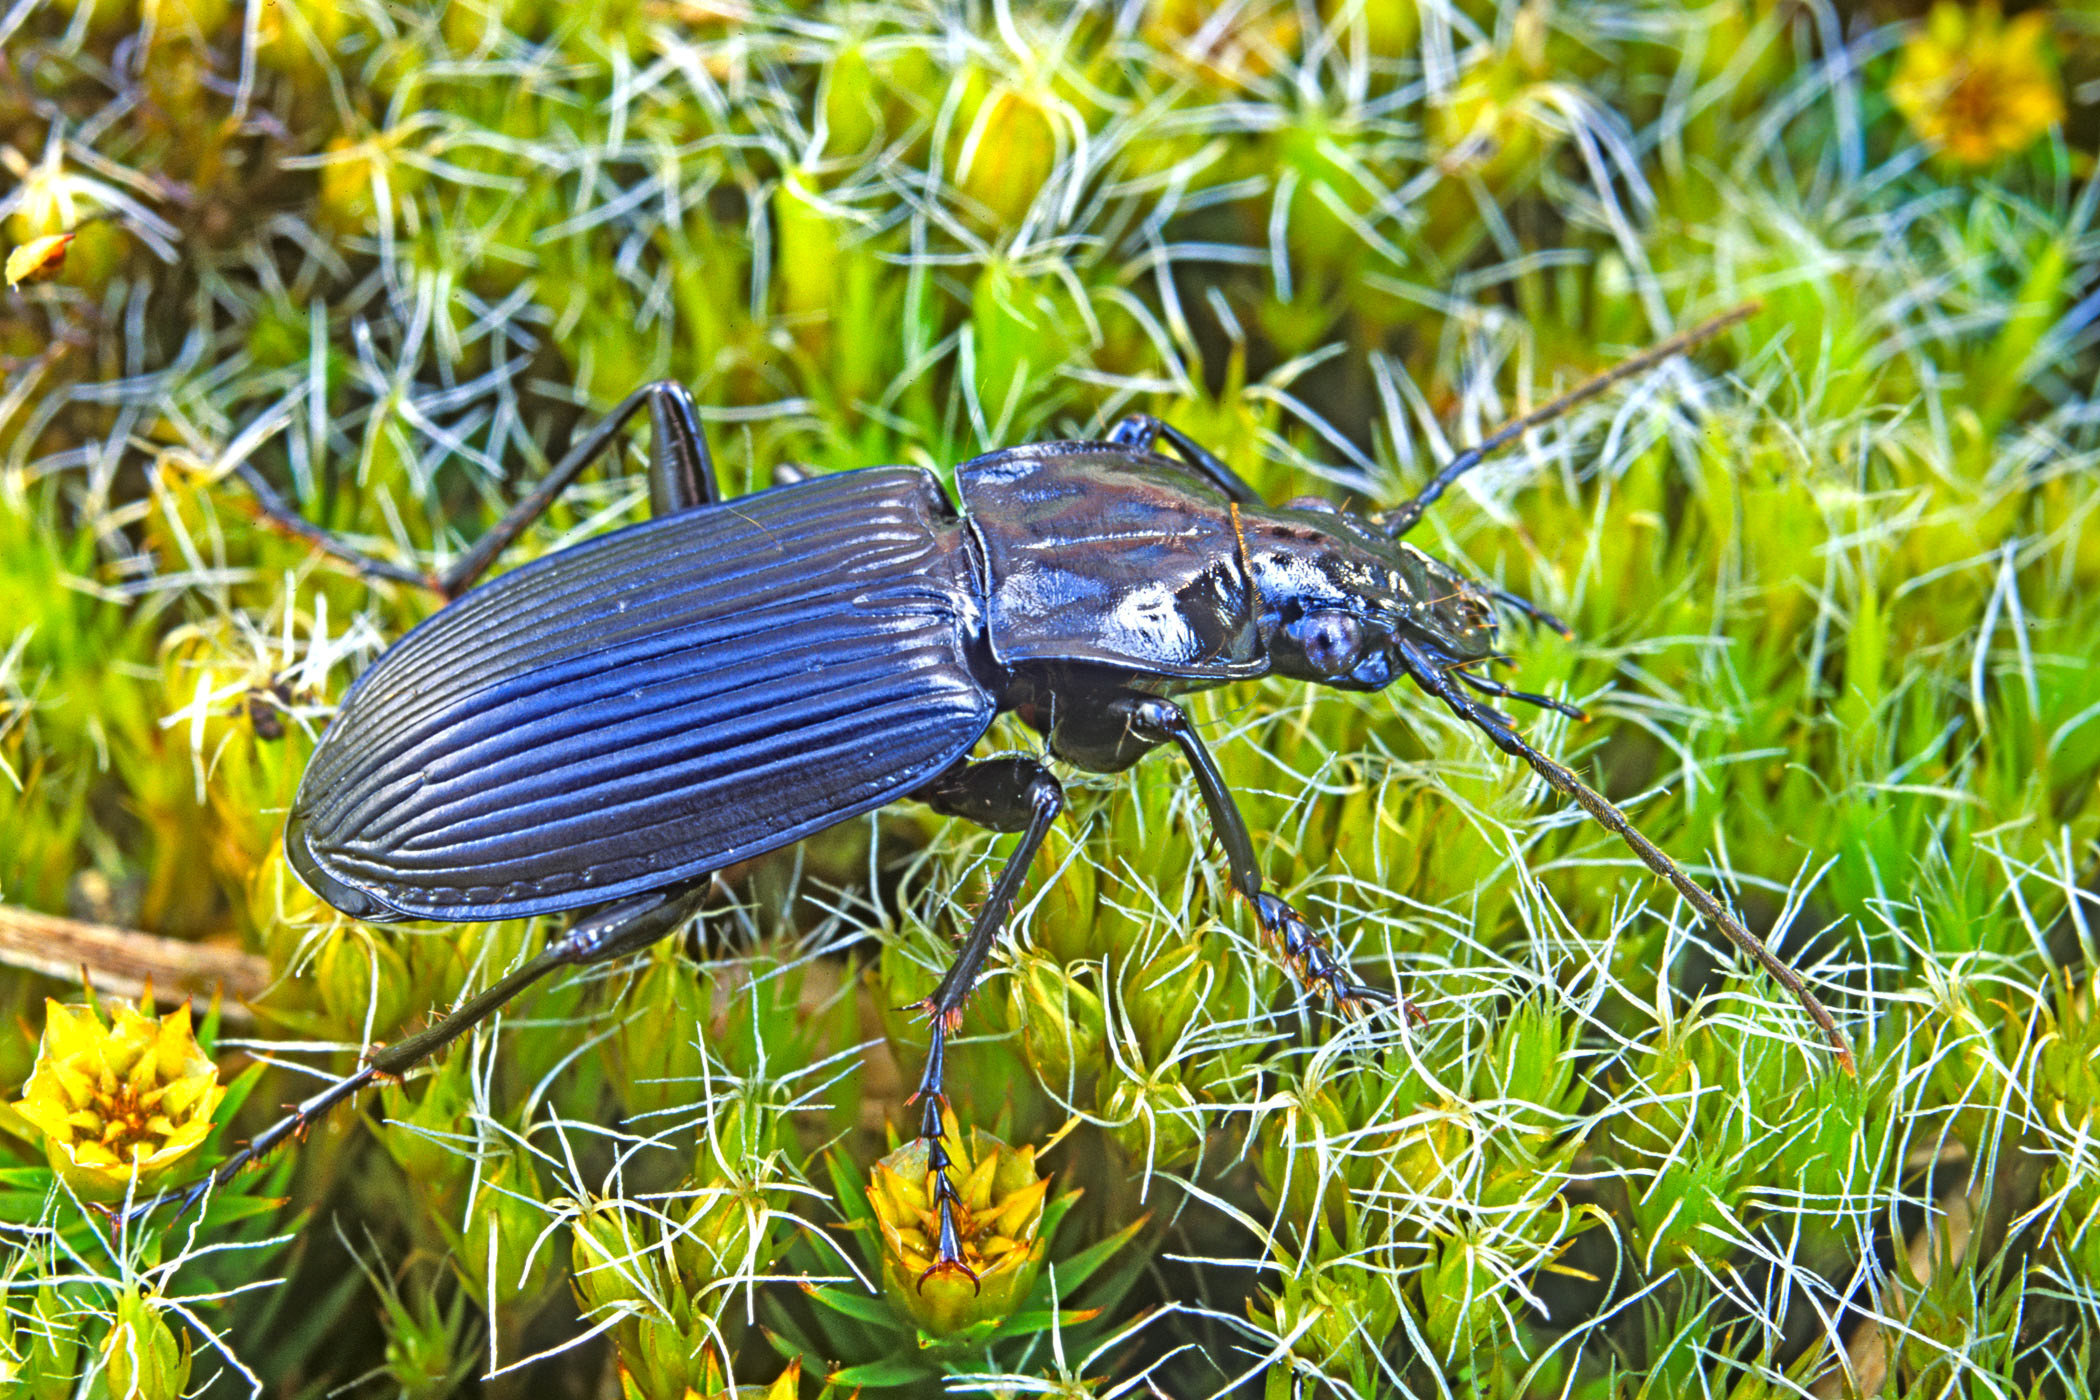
x=1339, y=597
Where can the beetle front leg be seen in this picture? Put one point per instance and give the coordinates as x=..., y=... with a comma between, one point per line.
x=1157, y=721
x=1142, y=432
x=1005, y=794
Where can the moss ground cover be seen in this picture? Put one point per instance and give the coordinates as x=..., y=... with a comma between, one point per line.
x=1832, y=579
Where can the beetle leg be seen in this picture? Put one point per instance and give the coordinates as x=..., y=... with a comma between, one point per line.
x=285, y=518
x=681, y=476
x=1006, y=794
x=1159, y=721
x=681, y=471
x=1517, y=602
x=599, y=936
x=999, y=793
x=1436, y=680
x=1141, y=432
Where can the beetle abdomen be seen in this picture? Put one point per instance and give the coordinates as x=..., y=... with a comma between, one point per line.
x=653, y=705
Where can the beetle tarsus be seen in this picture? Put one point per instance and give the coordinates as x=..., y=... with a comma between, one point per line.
x=609, y=932
x=294, y=1125
x=948, y=1253
x=1160, y=721
x=1313, y=958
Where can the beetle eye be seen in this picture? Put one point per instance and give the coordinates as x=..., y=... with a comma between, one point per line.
x=1329, y=639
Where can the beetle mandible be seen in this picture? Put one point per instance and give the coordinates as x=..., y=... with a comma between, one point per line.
x=605, y=727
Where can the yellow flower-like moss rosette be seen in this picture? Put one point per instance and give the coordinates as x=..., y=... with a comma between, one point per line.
x=1000, y=1224
x=1977, y=87
x=119, y=1104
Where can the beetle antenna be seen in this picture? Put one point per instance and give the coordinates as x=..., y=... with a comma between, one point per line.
x=1404, y=517
x=1434, y=679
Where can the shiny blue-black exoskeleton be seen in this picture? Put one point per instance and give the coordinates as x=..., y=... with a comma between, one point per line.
x=605, y=728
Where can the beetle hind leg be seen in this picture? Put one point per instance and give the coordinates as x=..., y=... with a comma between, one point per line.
x=599, y=935
x=1005, y=794
x=282, y=516
x=681, y=476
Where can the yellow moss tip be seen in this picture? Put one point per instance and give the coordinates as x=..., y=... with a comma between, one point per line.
x=37, y=260
x=1976, y=87
x=119, y=1104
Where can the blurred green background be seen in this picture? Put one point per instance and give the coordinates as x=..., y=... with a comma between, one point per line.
x=1828, y=576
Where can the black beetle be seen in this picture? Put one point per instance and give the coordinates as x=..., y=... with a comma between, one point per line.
x=607, y=726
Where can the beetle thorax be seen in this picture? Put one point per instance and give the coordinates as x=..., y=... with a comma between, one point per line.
x=1337, y=596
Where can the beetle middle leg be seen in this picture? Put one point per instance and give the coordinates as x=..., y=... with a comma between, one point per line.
x=1153, y=720
x=681, y=476
x=600, y=935
x=1005, y=794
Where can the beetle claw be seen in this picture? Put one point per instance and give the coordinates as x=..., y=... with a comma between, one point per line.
x=948, y=1258
x=1360, y=999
